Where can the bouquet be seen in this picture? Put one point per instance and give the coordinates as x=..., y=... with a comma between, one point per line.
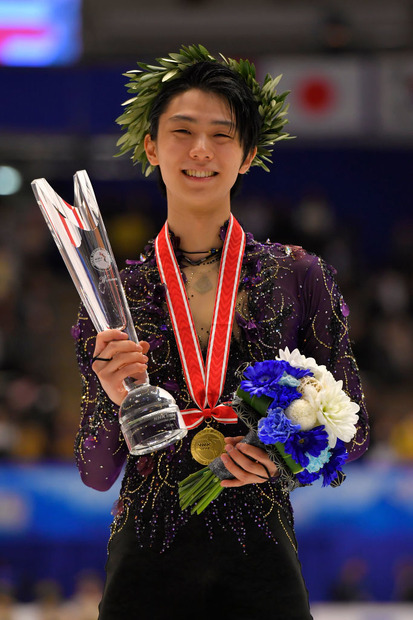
x=298, y=412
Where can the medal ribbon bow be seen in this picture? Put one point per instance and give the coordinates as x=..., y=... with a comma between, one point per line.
x=222, y=413
x=205, y=381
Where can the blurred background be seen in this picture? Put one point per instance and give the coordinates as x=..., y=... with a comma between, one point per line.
x=341, y=189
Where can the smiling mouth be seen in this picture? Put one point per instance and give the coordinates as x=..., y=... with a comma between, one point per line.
x=200, y=174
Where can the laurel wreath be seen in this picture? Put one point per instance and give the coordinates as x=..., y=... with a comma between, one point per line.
x=146, y=82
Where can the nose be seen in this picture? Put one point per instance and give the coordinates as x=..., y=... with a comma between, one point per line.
x=201, y=149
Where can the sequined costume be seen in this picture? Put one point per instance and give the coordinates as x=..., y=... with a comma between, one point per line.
x=286, y=297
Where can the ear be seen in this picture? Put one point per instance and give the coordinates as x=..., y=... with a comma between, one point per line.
x=246, y=164
x=150, y=149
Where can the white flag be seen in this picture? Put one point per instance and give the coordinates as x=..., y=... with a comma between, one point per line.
x=326, y=94
x=396, y=95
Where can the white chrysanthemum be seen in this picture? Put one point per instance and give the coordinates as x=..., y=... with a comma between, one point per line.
x=336, y=411
x=298, y=360
x=302, y=412
x=324, y=395
x=295, y=358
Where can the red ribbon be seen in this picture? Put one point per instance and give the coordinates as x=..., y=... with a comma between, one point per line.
x=223, y=413
x=205, y=381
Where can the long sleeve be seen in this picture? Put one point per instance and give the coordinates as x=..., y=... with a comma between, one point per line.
x=100, y=449
x=325, y=336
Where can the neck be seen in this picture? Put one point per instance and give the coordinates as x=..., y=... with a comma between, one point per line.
x=198, y=233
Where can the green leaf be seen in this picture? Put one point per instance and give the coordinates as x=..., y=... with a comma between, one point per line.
x=204, y=51
x=260, y=404
x=129, y=101
x=178, y=57
x=169, y=75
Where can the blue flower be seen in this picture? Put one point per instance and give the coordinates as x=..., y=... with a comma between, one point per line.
x=306, y=477
x=298, y=373
x=335, y=464
x=317, y=440
x=282, y=395
x=336, y=458
x=274, y=378
x=306, y=444
x=261, y=376
x=275, y=427
x=296, y=446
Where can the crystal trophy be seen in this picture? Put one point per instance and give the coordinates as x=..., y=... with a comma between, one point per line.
x=149, y=416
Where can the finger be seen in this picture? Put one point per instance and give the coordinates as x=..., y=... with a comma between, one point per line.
x=134, y=371
x=103, y=338
x=266, y=469
x=126, y=352
x=233, y=440
x=129, y=361
x=242, y=467
x=241, y=477
x=112, y=380
x=115, y=348
x=259, y=456
x=262, y=464
x=247, y=463
x=145, y=346
x=113, y=373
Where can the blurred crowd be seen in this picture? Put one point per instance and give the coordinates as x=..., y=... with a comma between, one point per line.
x=39, y=384
x=49, y=603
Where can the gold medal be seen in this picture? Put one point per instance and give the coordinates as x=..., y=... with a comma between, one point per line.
x=207, y=445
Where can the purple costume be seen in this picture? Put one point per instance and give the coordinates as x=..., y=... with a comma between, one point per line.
x=287, y=298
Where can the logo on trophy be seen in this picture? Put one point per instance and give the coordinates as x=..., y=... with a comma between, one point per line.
x=149, y=416
x=100, y=259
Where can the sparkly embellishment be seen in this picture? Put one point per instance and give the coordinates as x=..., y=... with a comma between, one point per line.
x=90, y=442
x=75, y=331
x=282, y=301
x=345, y=310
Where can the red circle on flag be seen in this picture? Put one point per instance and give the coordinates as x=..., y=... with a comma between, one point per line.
x=316, y=95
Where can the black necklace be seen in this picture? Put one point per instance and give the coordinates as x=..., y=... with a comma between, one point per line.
x=209, y=253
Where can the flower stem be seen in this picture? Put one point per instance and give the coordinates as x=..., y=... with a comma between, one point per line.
x=207, y=499
x=198, y=490
x=191, y=492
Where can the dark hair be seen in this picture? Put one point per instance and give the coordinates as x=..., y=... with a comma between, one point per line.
x=214, y=78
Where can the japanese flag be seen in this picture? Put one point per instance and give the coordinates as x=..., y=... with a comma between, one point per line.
x=326, y=94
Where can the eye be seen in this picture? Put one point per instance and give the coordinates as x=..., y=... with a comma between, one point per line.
x=182, y=131
x=223, y=135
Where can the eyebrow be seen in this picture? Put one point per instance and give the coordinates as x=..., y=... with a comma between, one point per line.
x=190, y=119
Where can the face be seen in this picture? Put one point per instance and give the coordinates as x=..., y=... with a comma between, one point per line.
x=198, y=150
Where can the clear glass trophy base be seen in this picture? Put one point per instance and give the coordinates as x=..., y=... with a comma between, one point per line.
x=150, y=420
